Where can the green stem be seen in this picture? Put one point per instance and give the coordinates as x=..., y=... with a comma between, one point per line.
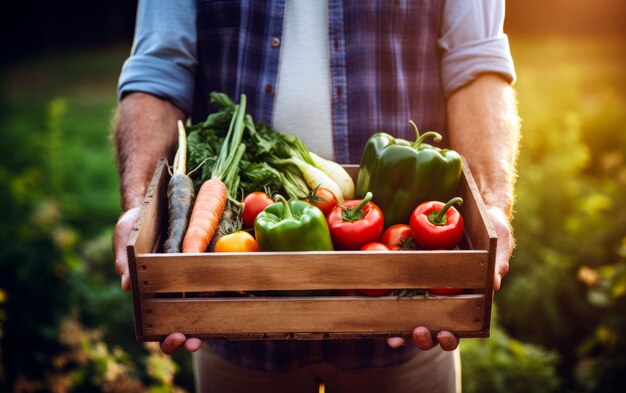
x=231, y=171
x=232, y=142
x=417, y=132
x=439, y=217
x=287, y=213
x=356, y=213
x=419, y=139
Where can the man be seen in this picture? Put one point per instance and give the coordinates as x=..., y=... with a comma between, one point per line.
x=332, y=72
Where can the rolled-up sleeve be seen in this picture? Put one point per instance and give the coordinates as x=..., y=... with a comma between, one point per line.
x=163, y=57
x=473, y=42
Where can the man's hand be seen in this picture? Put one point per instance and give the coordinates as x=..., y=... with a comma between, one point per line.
x=145, y=131
x=505, y=244
x=120, y=237
x=424, y=340
x=174, y=341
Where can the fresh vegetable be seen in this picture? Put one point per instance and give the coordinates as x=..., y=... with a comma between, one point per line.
x=292, y=226
x=314, y=176
x=403, y=174
x=337, y=173
x=375, y=246
x=205, y=216
x=180, y=196
x=240, y=241
x=436, y=225
x=264, y=145
x=355, y=223
x=253, y=204
x=211, y=199
x=399, y=237
x=323, y=198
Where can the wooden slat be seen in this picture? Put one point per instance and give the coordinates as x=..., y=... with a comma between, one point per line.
x=481, y=232
x=145, y=232
x=309, y=270
x=314, y=315
x=149, y=226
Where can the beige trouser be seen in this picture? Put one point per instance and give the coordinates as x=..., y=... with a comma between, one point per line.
x=431, y=371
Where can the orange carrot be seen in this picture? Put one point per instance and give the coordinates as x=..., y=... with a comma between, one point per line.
x=207, y=210
x=211, y=199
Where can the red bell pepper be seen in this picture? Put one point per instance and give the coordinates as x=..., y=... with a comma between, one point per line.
x=355, y=223
x=435, y=225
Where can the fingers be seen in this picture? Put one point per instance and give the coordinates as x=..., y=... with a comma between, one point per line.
x=193, y=344
x=176, y=341
x=447, y=341
x=502, y=268
x=120, y=238
x=395, y=342
x=505, y=244
x=423, y=339
x=172, y=343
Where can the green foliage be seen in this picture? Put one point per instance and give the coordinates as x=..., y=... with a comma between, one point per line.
x=64, y=322
x=570, y=211
x=503, y=364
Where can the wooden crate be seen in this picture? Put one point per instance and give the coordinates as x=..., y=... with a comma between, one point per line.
x=176, y=292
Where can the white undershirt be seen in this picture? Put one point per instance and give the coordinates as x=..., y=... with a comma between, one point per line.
x=302, y=105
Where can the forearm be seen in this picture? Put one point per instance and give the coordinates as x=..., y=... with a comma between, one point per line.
x=145, y=131
x=483, y=126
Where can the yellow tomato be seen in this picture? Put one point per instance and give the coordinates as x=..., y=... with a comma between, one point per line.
x=240, y=241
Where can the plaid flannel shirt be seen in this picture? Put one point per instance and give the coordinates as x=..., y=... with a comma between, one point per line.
x=388, y=63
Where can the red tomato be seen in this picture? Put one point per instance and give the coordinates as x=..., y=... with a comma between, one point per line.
x=323, y=198
x=374, y=246
x=398, y=237
x=253, y=204
x=445, y=291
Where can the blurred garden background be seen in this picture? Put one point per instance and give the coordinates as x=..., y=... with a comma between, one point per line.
x=65, y=325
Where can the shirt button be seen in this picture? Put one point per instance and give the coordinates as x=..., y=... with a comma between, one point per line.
x=275, y=42
x=269, y=89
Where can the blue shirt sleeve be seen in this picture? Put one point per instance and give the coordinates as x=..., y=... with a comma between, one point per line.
x=163, y=57
x=473, y=42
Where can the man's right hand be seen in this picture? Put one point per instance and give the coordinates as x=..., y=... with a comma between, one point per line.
x=120, y=237
x=124, y=226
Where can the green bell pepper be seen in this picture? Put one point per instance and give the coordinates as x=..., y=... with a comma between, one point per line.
x=403, y=174
x=292, y=226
